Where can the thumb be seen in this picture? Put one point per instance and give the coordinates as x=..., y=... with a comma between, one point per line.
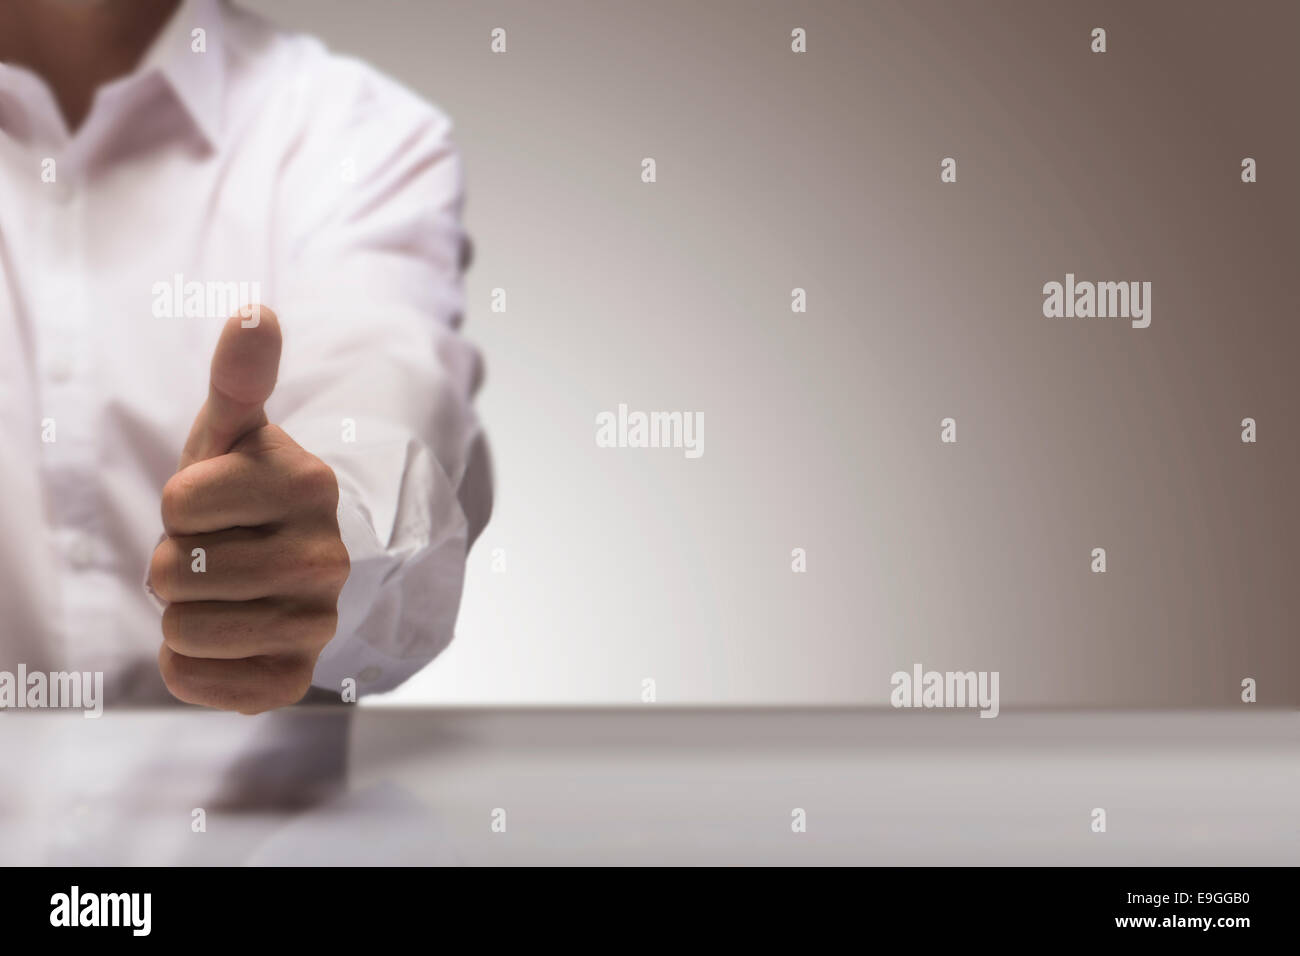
x=244, y=367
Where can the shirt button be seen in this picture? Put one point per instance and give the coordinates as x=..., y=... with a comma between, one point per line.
x=369, y=674
x=58, y=368
x=60, y=191
x=80, y=552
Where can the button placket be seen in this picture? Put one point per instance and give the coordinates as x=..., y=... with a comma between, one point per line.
x=63, y=323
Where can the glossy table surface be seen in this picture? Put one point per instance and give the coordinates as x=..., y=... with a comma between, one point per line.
x=653, y=785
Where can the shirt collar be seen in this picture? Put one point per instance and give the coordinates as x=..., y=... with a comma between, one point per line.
x=197, y=79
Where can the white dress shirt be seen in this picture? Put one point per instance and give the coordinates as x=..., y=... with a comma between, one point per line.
x=238, y=154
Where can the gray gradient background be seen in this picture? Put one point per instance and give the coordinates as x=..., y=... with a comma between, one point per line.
x=820, y=170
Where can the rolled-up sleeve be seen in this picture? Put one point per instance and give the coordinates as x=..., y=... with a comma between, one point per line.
x=376, y=378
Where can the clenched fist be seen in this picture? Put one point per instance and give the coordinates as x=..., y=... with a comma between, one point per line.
x=253, y=564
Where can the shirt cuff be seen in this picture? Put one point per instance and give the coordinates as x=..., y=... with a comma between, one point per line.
x=398, y=608
x=346, y=655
